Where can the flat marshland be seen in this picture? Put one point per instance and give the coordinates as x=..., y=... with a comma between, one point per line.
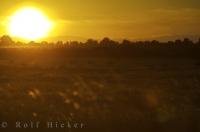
x=108, y=93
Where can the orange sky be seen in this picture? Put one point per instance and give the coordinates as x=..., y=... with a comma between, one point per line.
x=117, y=19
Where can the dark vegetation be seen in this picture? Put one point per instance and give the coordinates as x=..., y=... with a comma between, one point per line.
x=110, y=48
x=108, y=86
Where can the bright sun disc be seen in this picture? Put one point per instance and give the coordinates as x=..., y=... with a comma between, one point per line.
x=29, y=24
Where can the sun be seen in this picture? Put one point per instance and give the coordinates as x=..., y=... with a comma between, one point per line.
x=29, y=23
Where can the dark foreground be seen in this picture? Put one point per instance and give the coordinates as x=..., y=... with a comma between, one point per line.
x=105, y=94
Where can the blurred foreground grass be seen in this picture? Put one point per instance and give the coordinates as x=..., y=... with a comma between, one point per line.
x=106, y=94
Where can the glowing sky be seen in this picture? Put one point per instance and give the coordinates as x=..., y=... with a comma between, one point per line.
x=133, y=19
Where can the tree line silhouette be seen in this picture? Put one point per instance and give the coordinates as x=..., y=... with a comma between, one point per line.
x=105, y=42
x=108, y=47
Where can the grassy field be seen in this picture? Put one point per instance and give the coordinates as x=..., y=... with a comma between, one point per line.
x=105, y=94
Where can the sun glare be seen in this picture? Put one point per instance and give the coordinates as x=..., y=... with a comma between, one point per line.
x=30, y=24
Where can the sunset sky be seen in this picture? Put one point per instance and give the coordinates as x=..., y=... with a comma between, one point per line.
x=117, y=19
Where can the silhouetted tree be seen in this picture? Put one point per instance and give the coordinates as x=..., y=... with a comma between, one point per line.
x=187, y=41
x=178, y=42
x=32, y=43
x=66, y=44
x=126, y=42
x=59, y=44
x=91, y=43
x=18, y=43
x=6, y=40
x=75, y=44
x=154, y=42
x=106, y=42
x=44, y=43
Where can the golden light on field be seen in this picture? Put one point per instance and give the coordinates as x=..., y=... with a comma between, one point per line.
x=29, y=23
